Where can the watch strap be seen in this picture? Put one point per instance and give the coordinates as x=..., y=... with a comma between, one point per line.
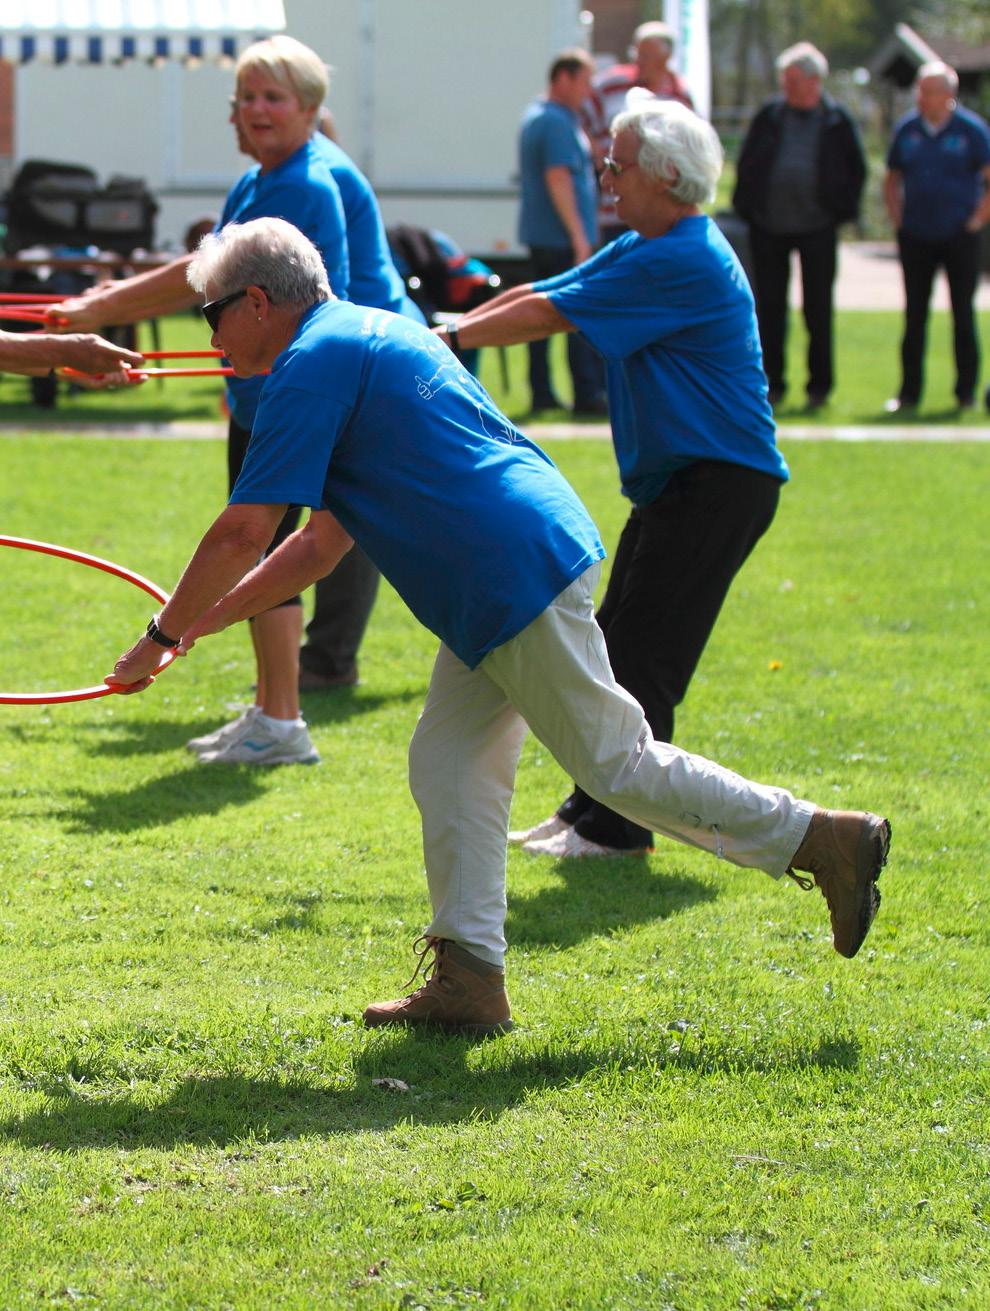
x=156, y=635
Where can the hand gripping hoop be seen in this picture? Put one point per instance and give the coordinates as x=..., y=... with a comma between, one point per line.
x=94, y=561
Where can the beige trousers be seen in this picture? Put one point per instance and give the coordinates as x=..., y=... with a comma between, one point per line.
x=554, y=677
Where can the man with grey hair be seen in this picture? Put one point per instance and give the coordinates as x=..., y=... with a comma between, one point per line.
x=618, y=88
x=370, y=420
x=937, y=191
x=799, y=176
x=668, y=307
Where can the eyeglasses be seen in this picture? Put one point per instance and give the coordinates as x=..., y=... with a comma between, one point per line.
x=213, y=309
x=614, y=167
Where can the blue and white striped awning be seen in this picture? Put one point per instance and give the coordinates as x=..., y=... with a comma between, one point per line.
x=110, y=31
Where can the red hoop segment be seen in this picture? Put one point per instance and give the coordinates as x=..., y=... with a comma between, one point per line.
x=94, y=562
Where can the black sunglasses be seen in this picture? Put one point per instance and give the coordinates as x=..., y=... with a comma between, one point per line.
x=213, y=309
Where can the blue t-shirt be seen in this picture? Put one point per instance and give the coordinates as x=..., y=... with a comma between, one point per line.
x=551, y=136
x=301, y=190
x=374, y=278
x=940, y=172
x=674, y=318
x=370, y=416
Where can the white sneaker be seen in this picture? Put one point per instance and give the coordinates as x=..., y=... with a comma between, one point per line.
x=222, y=736
x=259, y=746
x=570, y=843
x=547, y=828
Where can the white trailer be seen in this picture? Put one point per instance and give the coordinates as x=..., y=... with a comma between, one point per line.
x=427, y=97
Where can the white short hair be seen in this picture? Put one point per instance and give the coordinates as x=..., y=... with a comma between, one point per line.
x=653, y=32
x=936, y=68
x=266, y=252
x=808, y=58
x=677, y=146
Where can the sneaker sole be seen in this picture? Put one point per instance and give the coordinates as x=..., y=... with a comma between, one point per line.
x=208, y=758
x=871, y=858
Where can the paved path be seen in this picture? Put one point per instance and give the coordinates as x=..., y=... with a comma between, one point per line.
x=869, y=278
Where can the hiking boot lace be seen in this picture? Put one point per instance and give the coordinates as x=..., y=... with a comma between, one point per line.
x=427, y=968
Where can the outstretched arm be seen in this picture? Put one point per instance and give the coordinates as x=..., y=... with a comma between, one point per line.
x=303, y=558
x=230, y=547
x=36, y=353
x=518, y=315
x=144, y=296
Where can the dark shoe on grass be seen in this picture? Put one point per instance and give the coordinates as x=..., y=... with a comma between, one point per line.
x=311, y=682
x=461, y=994
x=845, y=850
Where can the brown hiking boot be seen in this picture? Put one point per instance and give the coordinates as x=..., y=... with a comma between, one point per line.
x=461, y=994
x=845, y=850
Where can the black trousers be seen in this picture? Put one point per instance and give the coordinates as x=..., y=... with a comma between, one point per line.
x=587, y=369
x=771, y=261
x=920, y=261
x=237, y=444
x=673, y=567
x=343, y=605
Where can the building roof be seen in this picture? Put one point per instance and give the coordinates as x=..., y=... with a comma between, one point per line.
x=110, y=31
x=905, y=50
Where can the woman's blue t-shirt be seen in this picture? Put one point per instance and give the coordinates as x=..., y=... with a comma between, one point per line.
x=302, y=191
x=674, y=319
x=370, y=416
x=374, y=278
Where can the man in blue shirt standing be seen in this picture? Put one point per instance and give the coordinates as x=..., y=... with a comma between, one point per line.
x=557, y=216
x=937, y=190
x=370, y=420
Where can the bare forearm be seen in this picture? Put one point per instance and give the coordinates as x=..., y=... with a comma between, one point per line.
x=560, y=188
x=159, y=291
x=893, y=198
x=301, y=560
x=230, y=548
x=509, y=319
x=36, y=353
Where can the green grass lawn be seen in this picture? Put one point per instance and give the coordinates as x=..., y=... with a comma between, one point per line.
x=702, y=1105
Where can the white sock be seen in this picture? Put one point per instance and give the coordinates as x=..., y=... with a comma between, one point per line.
x=279, y=728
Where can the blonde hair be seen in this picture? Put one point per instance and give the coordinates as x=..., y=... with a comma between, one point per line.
x=289, y=63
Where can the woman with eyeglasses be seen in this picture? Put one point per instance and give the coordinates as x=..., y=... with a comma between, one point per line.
x=280, y=86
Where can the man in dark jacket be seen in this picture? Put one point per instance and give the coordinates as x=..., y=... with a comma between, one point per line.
x=800, y=174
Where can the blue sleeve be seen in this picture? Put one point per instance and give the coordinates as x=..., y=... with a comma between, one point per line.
x=894, y=153
x=315, y=208
x=579, y=271
x=558, y=143
x=292, y=440
x=982, y=142
x=304, y=194
x=622, y=306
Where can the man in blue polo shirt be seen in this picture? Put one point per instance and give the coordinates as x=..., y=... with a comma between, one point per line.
x=558, y=215
x=370, y=420
x=937, y=190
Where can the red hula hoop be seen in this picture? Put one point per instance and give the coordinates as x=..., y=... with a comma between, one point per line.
x=94, y=562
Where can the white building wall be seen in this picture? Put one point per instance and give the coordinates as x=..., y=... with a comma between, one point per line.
x=427, y=96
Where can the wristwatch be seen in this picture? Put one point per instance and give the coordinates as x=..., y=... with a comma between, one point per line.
x=156, y=635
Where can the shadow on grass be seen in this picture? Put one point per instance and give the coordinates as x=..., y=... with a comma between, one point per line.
x=139, y=737
x=599, y=896
x=194, y=790
x=218, y=1110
